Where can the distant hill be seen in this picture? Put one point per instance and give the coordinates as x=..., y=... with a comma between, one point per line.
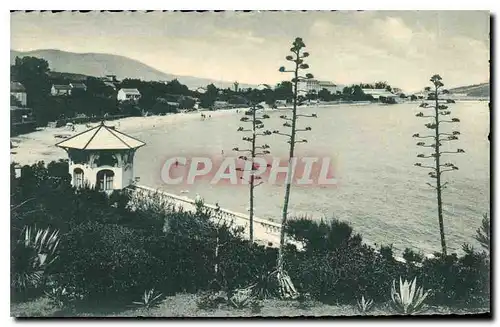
x=100, y=64
x=476, y=90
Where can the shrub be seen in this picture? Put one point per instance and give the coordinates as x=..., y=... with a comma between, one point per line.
x=364, y=306
x=457, y=281
x=483, y=233
x=211, y=300
x=32, y=254
x=323, y=235
x=411, y=256
x=150, y=299
x=107, y=262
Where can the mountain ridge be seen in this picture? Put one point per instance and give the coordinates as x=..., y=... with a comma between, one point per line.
x=474, y=90
x=100, y=64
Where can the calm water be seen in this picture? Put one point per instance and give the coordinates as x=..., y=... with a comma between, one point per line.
x=379, y=191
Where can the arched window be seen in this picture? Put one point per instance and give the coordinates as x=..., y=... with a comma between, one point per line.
x=105, y=179
x=78, y=177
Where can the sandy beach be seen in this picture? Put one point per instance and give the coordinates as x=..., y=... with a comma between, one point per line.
x=40, y=145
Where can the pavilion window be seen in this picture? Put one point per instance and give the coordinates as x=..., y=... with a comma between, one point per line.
x=105, y=179
x=78, y=177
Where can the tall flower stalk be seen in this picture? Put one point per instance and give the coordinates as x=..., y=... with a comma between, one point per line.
x=439, y=110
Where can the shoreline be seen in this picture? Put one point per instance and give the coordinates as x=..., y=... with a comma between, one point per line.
x=39, y=145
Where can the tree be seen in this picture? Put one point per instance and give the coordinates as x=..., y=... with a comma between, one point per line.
x=297, y=58
x=358, y=94
x=284, y=91
x=483, y=233
x=32, y=72
x=209, y=96
x=254, y=151
x=324, y=95
x=438, y=168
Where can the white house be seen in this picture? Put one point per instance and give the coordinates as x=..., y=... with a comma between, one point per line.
x=58, y=90
x=18, y=91
x=377, y=93
x=101, y=157
x=128, y=95
x=78, y=86
x=313, y=85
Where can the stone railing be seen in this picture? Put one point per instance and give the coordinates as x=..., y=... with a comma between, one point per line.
x=265, y=231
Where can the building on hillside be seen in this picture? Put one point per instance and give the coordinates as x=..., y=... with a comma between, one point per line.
x=329, y=86
x=173, y=104
x=313, y=85
x=18, y=91
x=221, y=105
x=308, y=86
x=378, y=93
x=101, y=157
x=128, y=95
x=21, y=120
x=78, y=86
x=109, y=78
x=60, y=90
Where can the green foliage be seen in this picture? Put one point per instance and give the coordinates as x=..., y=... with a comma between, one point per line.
x=211, y=300
x=62, y=296
x=411, y=256
x=364, y=305
x=113, y=257
x=150, y=299
x=483, y=233
x=323, y=235
x=32, y=254
x=112, y=248
x=241, y=299
x=208, y=98
x=409, y=298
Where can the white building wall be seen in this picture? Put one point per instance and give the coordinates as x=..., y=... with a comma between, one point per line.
x=90, y=175
x=122, y=96
x=21, y=97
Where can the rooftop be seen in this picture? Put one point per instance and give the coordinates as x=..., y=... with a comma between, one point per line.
x=131, y=91
x=101, y=137
x=78, y=85
x=61, y=87
x=17, y=87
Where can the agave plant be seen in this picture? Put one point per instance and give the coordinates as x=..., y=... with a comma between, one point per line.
x=364, y=305
x=150, y=299
x=62, y=296
x=242, y=298
x=410, y=298
x=32, y=253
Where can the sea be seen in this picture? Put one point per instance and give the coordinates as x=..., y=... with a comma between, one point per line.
x=378, y=190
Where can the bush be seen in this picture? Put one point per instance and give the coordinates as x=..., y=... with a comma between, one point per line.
x=411, y=256
x=113, y=248
x=106, y=262
x=458, y=281
x=322, y=236
x=343, y=271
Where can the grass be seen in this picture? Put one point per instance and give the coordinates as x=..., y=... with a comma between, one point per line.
x=185, y=305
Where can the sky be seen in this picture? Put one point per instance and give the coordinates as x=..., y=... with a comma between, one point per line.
x=403, y=48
